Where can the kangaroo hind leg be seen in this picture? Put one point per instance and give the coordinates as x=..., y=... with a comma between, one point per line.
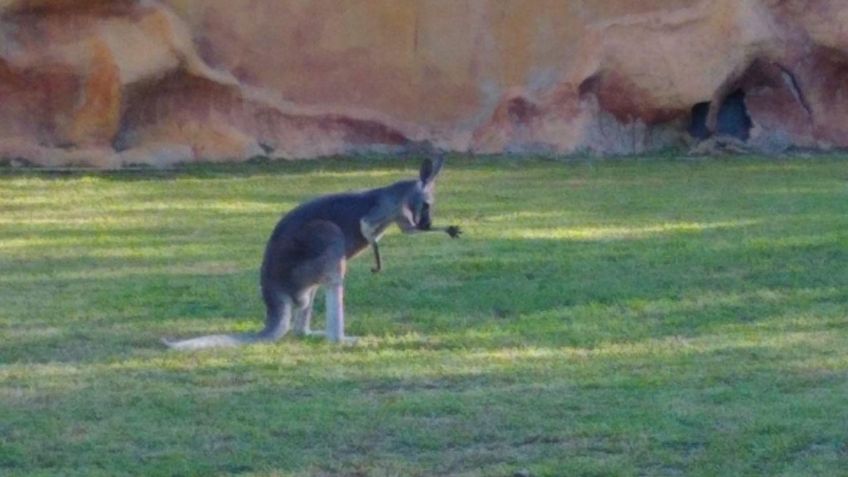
x=324, y=263
x=335, y=310
x=303, y=316
x=278, y=312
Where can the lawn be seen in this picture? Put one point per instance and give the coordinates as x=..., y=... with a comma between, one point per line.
x=654, y=316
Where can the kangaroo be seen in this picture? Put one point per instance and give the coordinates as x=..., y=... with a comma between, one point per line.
x=310, y=247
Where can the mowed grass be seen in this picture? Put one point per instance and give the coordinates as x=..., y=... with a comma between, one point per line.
x=641, y=317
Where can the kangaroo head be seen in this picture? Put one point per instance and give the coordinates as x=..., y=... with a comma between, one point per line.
x=419, y=198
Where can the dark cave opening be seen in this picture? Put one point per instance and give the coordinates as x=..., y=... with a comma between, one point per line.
x=698, y=124
x=733, y=119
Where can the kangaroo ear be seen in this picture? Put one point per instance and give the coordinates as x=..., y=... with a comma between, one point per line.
x=430, y=168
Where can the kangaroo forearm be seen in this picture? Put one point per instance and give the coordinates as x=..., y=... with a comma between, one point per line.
x=377, y=259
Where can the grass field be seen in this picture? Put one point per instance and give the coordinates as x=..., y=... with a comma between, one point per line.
x=643, y=317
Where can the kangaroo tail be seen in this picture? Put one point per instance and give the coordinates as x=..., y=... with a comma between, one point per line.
x=276, y=326
x=215, y=341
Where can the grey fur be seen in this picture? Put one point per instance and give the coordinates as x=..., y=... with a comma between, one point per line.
x=311, y=245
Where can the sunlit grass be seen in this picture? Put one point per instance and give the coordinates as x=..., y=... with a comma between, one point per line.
x=650, y=317
x=613, y=233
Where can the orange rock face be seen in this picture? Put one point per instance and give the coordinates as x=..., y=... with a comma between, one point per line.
x=117, y=82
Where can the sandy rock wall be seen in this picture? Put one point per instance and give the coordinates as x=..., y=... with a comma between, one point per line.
x=116, y=82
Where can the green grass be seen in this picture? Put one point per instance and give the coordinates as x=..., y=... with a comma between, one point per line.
x=644, y=317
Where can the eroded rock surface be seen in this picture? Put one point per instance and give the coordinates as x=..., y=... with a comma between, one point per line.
x=116, y=82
